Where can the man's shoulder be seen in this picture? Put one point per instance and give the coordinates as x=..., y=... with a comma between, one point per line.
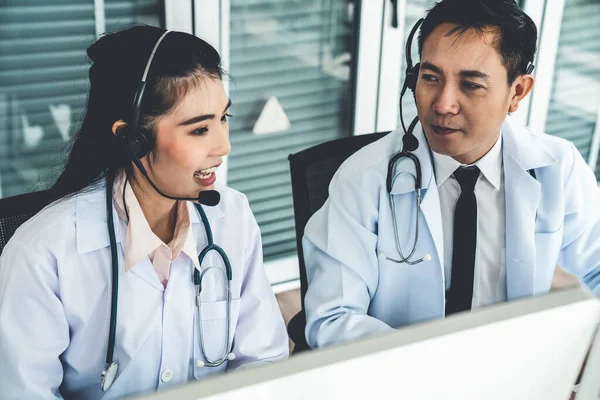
x=557, y=156
x=557, y=146
x=372, y=158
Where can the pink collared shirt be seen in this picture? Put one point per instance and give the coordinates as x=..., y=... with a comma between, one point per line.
x=141, y=241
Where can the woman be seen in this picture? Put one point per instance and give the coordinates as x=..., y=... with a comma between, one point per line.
x=124, y=206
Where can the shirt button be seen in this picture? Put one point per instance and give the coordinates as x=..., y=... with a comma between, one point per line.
x=166, y=375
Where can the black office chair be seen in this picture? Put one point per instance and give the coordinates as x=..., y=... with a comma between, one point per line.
x=15, y=210
x=311, y=171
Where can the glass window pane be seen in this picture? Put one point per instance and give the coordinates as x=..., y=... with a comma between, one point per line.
x=575, y=98
x=122, y=13
x=291, y=61
x=43, y=80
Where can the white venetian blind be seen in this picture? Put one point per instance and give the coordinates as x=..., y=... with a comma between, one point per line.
x=300, y=53
x=575, y=99
x=43, y=79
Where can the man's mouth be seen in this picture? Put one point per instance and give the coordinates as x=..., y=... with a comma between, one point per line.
x=442, y=130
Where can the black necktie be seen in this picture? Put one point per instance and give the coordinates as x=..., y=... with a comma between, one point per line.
x=460, y=294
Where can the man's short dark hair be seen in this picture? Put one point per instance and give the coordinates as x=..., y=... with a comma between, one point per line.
x=517, y=34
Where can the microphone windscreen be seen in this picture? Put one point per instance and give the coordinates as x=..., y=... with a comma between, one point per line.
x=209, y=197
x=410, y=142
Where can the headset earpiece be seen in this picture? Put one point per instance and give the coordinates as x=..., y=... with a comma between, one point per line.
x=410, y=82
x=411, y=77
x=132, y=146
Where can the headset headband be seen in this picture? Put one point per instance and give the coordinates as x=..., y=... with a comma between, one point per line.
x=139, y=94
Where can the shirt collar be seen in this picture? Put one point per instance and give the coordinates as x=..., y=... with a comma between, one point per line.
x=140, y=240
x=490, y=165
x=90, y=210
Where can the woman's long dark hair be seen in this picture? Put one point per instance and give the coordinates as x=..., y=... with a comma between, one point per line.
x=118, y=61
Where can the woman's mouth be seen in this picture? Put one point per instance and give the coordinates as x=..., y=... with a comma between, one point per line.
x=440, y=130
x=206, y=176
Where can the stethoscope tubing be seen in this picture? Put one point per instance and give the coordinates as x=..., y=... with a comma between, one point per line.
x=111, y=368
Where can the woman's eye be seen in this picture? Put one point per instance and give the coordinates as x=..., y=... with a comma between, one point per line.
x=199, y=131
x=225, y=117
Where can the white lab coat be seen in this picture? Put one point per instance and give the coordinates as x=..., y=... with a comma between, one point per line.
x=353, y=292
x=55, y=287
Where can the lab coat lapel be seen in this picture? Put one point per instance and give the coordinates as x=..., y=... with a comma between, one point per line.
x=92, y=232
x=522, y=193
x=433, y=215
x=521, y=153
x=430, y=203
x=146, y=272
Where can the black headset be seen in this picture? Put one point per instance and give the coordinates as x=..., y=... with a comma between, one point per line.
x=409, y=141
x=132, y=143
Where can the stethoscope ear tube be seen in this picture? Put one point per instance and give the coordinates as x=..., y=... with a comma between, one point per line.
x=392, y=165
x=110, y=371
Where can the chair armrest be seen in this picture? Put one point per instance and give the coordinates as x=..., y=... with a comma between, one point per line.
x=295, y=330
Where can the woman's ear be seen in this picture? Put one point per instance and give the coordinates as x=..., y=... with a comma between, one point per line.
x=118, y=125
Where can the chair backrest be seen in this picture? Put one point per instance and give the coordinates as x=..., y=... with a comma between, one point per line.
x=15, y=210
x=311, y=172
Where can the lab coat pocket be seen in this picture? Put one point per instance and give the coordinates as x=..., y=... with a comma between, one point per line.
x=393, y=293
x=213, y=320
x=547, y=250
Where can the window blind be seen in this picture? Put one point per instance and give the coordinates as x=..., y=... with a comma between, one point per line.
x=575, y=97
x=43, y=80
x=302, y=54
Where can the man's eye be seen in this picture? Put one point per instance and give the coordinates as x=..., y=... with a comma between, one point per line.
x=471, y=86
x=429, y=78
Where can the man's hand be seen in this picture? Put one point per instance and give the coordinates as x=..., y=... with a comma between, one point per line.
x=563, y=280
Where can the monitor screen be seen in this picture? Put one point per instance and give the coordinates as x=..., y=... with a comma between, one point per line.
x=528, y=349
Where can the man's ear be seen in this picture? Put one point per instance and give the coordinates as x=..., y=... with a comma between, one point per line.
x=118, y=125
x=520, y=89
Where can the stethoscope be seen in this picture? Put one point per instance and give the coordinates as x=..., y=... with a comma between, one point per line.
x=109, y=373
x=409, y=144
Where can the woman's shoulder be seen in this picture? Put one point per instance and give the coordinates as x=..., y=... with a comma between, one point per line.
x=55, y=225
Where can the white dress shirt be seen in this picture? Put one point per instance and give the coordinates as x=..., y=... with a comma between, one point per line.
x=489, y=283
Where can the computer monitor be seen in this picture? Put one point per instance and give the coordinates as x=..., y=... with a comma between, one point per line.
x=590, y=380
x=527, y=349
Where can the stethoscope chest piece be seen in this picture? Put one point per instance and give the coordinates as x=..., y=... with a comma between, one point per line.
x=108, y=376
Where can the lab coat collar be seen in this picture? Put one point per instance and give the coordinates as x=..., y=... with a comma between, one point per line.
x=519, y=145
x=523, y=146
x=90, y=220
x=92, y=230
x=212, y=213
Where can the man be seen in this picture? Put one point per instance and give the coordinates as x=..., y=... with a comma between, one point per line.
x=501, y=206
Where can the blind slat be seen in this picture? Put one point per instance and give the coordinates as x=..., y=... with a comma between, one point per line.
x=576, y=88
x=43, y=63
